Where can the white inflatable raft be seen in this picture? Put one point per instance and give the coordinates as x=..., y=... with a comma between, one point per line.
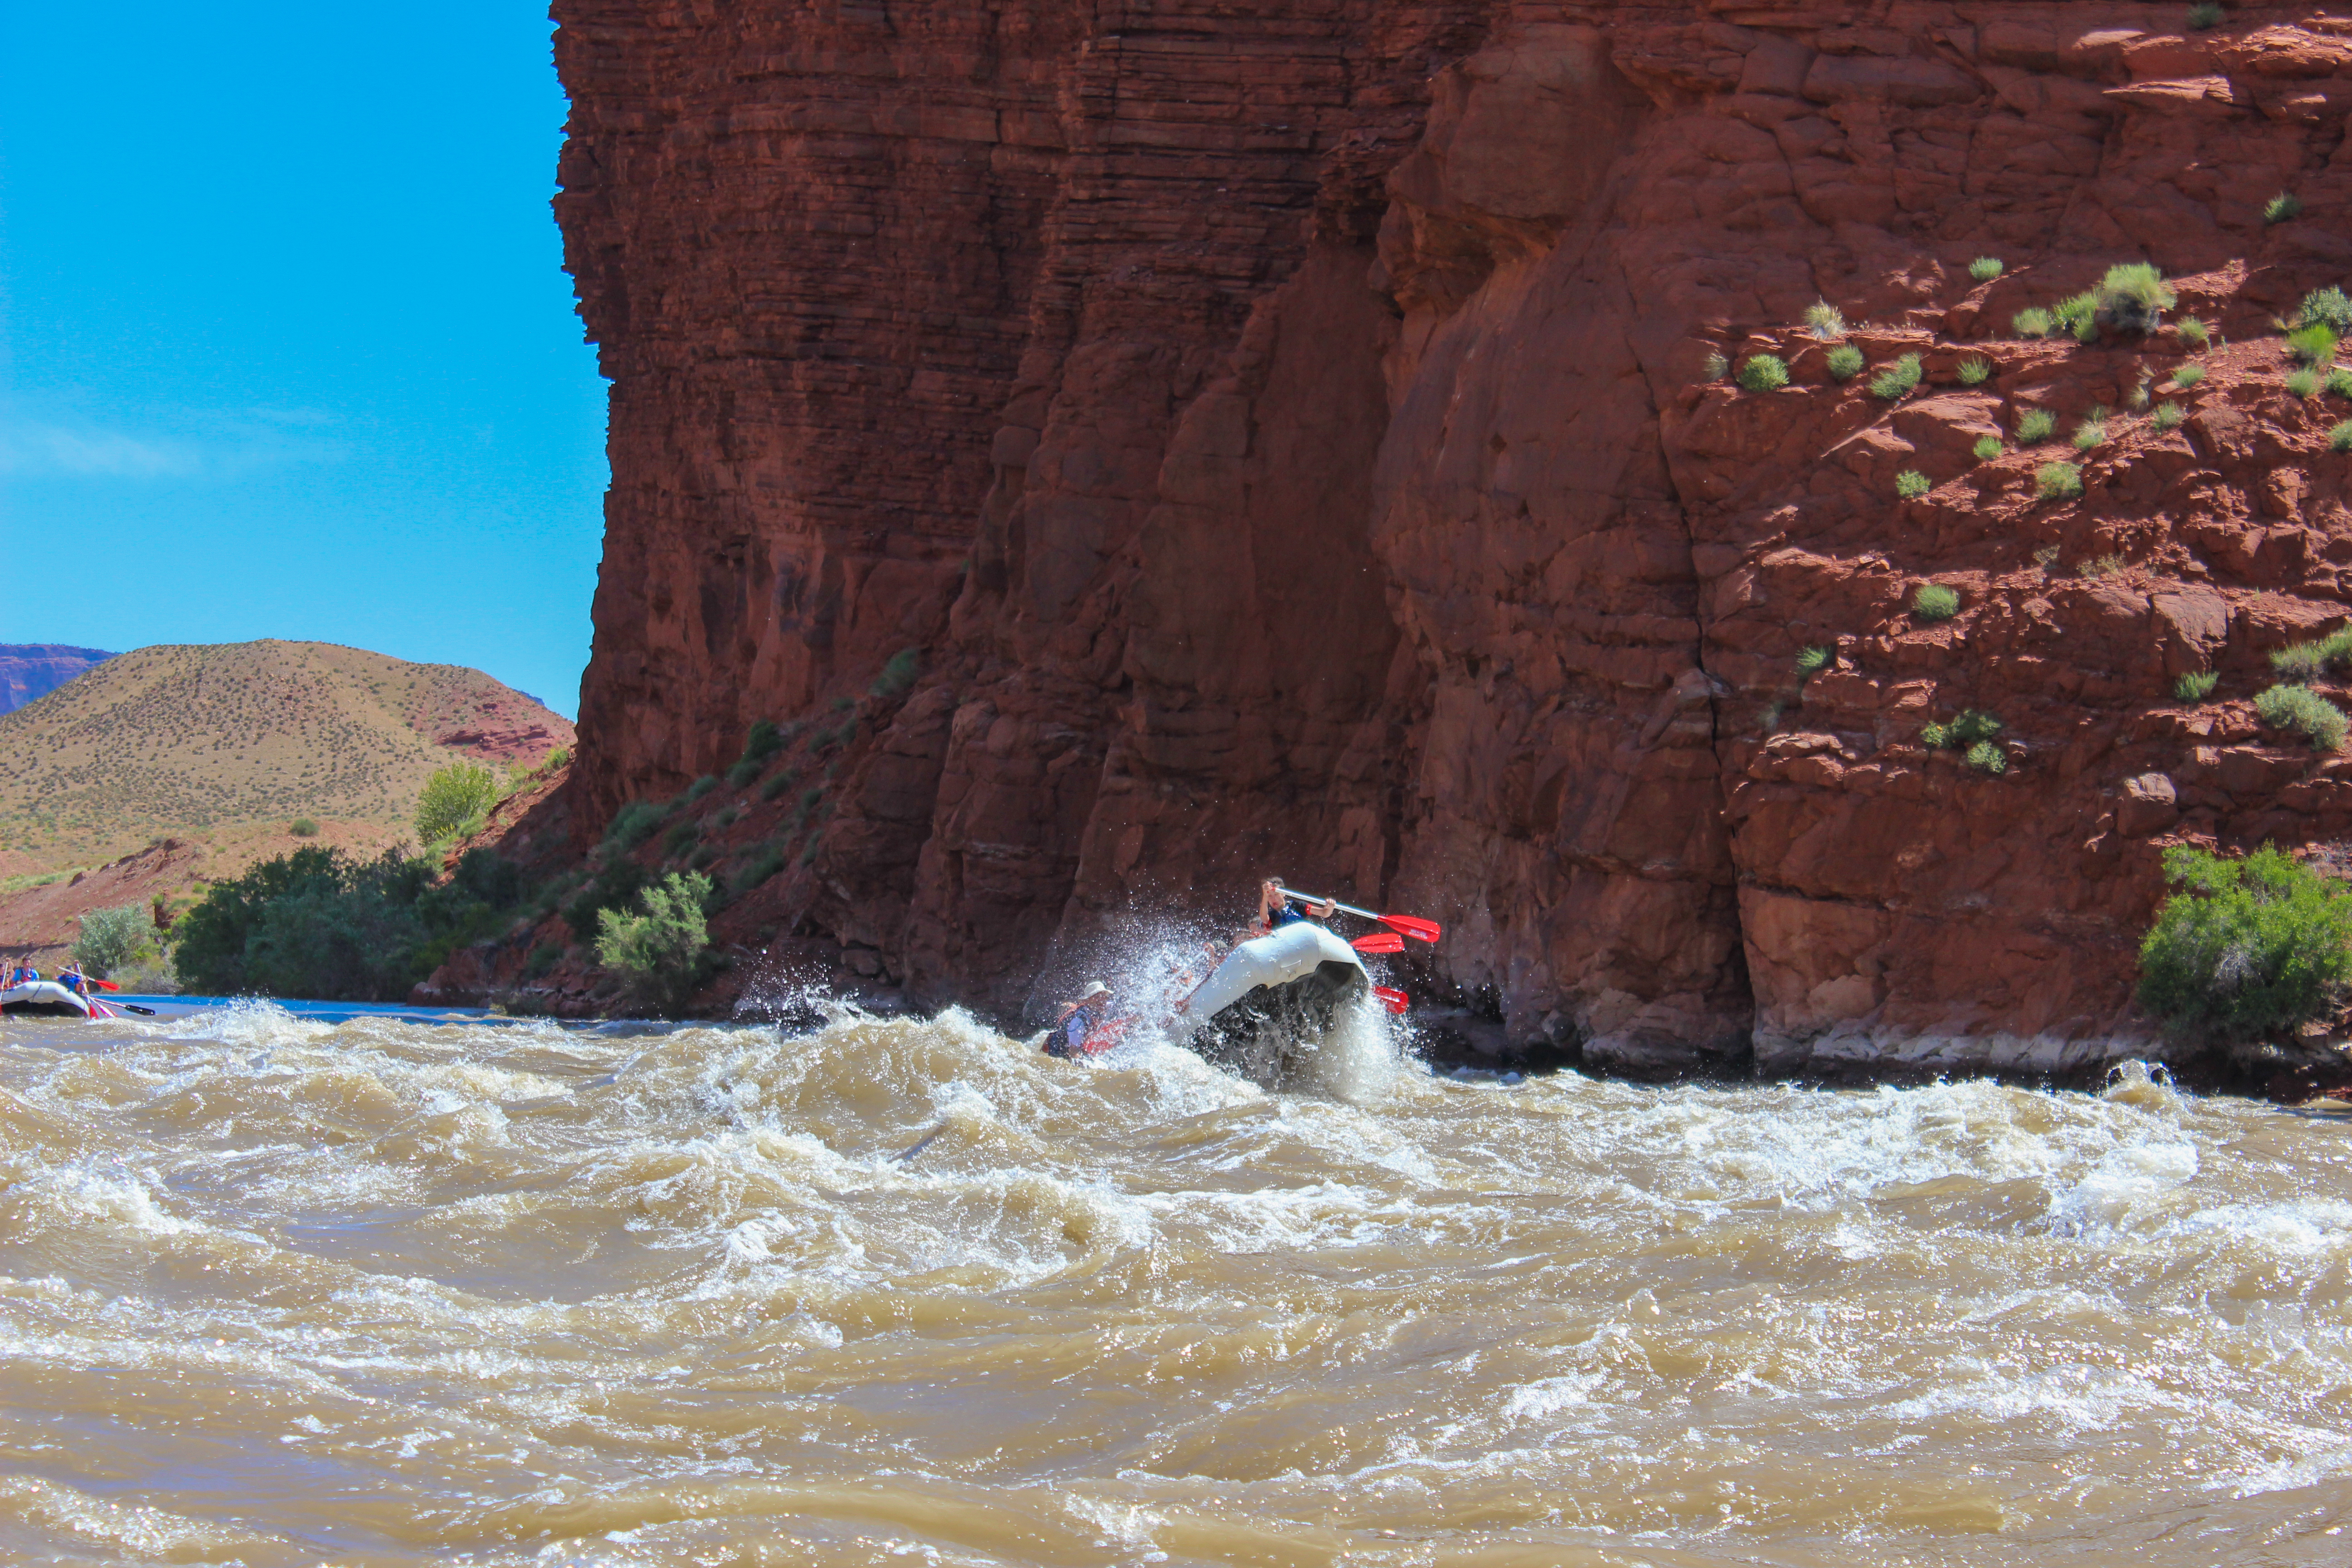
x=1274, y=999
x=44, y=996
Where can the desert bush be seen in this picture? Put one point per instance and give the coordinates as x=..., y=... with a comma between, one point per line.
x=2194, y=332
x=633, y=824
x=1911, y=484
x=2305, y=661
x=2300, y=709
x=2198, y=687
x=150, y=972
x=680, y=838
x=111, y=938
x=1716, y=367
x=2093, y=431
x=2136, y=399
x=2086, y=329
x=1987, y=448
x=781, y=783
x=2339, y=383
x=555, y=760
x=2035, y=322
x=2313, y=344
x=453, y=798
x=2035, y=424
x=759, y=867
x=808, y=851
x=2339, y=438
x=1986, y=756
x=1935, y=601
x=2107, y=565
x=660, y=947
x=2132, y=298
x=2168, y=417
x=1985, y=269
x=1898, y=379
x=1975, y=370
x=1813, y=660
x=2282, y=207
x=2326, y=307
x=2187, y=376
x=543, y=957
x=1970, y=727
x=613, y=886
x=1825, y=320
x=317, y=924
x=1764, y=373
x=2076, y=309
x=2303, y=384
x=303, y=828
x=726, y=816
x=1844, y=362
x=2246, y=948
x=2205, y=15
x=2057, y=481
x=700, y=787
x=897, y=676
x=810, y=797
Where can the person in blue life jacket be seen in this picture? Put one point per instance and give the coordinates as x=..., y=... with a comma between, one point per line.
x=1274, y=911
x=71, y=977
x=23, y=975
x=1076, y=1021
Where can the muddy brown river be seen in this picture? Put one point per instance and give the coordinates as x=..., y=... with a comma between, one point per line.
x=278, y=1293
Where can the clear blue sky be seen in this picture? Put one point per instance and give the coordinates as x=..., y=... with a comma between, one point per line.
x=285, y=344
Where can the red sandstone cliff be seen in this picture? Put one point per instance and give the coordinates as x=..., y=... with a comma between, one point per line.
x=1284, y=430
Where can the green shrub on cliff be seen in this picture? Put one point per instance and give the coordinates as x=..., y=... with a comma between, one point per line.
x=1987, y=448
x=633, y=824
x=2035, y=424
x=1987, y=757
x=2196, y=688
x=1825, y=321
x=2301, y=709
x=658, y=949
x=1898, y=379
x=2205, y=15
x=1764, y=373
x=897, y=676
x=1935, y=601
x=2194, y=332
x=1975, y=371
x=2246, y=948
x=1969, y=728
x=2329, y=308
x=2035, y=322
x=1844, y=362
x=2339, y=436
x=778, y=784
x=2282, y=207
x=2133, y=297
x=2058, y=482
x=452, y=799
x=1813, y=660
x=1911, y=484
x=1985, y=269
x=2167, y=417
x=2304, y=661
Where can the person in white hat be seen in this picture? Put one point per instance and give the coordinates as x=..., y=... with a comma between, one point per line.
x=1076, y=1021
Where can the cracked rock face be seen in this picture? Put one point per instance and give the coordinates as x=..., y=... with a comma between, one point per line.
x=1288, y=435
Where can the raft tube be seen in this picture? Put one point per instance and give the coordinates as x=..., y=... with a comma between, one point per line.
x=1275, y=995
x=44, y=996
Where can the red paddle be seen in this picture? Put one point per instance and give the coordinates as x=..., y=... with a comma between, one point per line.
x=1378, y=942
x=1411, y=925
x=1397, y=1000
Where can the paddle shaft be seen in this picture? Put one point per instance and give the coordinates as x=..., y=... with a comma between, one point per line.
x=1311, y=899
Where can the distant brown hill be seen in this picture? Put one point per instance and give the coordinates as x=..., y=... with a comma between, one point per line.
x=29, y=670
x=203, y=739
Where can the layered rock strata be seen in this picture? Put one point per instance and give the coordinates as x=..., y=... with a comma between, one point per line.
x=1290, y=435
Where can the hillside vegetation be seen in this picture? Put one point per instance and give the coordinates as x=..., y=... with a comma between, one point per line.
x=199, y=739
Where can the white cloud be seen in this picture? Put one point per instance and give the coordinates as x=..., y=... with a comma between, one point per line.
x=203, y=446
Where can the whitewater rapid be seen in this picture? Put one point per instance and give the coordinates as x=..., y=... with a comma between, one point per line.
x=276, y=1292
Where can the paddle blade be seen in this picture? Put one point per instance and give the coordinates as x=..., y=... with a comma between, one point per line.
x=1378, y=942
x=1397, y=1001
x=1419, y=929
